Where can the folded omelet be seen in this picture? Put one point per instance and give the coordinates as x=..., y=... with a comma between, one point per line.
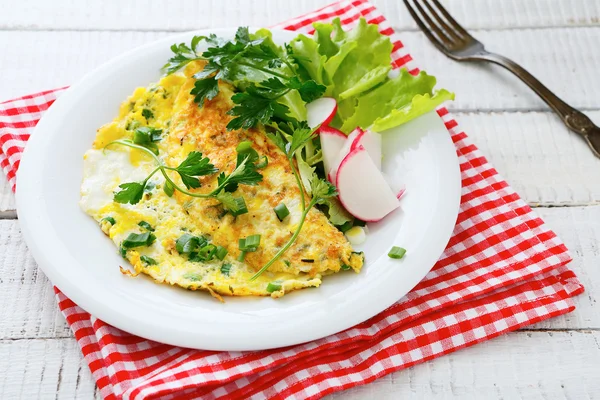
x=319, y=250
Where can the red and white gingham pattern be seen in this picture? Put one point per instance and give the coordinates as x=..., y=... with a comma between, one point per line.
x=502, y=269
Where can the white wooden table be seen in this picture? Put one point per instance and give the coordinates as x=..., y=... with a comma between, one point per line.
x=47, y=44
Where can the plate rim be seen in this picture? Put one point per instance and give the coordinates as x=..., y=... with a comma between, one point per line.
x=28, y=214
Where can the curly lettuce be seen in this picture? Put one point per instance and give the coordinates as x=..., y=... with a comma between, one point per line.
x=354, y=67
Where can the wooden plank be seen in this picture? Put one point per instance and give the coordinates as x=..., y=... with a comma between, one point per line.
x=185, y=15
x=44, y=369
x=63, y=57
x=542, y=160
x=7, y=199
x=566, y=366
x=28, y=305
x=533, y=365
x=29, y=309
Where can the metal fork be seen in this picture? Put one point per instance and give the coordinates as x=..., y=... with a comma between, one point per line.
x=455, y=42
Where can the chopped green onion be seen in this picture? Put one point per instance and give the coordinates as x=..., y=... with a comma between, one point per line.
x=148, y=260
x=110, y=220
x=138, y=240
x=396, y=252
x=168, y=189
x=187, y=243
x=286, y=262
x=250, y=243
x=225, y=268
x=346, y=267
x=221, y=252
x=263, y=161
x=123, y=252
x=273, y=287
x=146, y=226
x=282, y=211
x=239, y=208
x=207, y=252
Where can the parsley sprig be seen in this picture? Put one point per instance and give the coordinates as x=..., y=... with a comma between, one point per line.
x=194, y=166
x=264, y=72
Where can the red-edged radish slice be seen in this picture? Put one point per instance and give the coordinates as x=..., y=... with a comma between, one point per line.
x=332, y=142
x=321, y=111
x=346, y=148
x=363, y=191
x=371, y=141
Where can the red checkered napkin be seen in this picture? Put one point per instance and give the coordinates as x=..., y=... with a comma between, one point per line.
x=503, y=269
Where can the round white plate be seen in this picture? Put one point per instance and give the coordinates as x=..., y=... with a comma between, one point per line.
x=83, y=263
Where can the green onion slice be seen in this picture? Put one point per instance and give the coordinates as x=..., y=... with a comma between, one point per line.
x=225, y=268
x=282, y=211
x=273, y=287
x=148, y=260
x=221, y=252
x=111, y=220
x=397, y=252
x=146, y=226
x=138, y=240
x=250, y=243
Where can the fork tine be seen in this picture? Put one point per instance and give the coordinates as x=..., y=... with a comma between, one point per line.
x=437, y=42
x=433, y=26
x=442, y=22
x=458, y=27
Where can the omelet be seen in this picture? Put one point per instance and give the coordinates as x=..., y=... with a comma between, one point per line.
x=320, y=249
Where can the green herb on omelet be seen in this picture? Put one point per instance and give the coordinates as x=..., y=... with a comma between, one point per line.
x=146, y=226
x=148, y=260
x=109, y=219
x=138, y=240
x=267, y=74
x=226, y=269
x=273, y=287
x=194, y=166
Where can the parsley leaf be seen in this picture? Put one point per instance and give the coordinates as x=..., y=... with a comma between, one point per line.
x=131, y=193
x=205, y=89
x=244, y=173
x=254, y=106
x=194, y=165
x=183, y=55
x=309, y=90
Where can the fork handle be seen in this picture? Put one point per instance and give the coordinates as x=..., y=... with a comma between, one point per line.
x=574, y=119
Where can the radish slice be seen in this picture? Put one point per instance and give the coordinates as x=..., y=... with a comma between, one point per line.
x=371, y=141
x=346, y=148
x=321, y=111
x=332, y=142
x=362, y=188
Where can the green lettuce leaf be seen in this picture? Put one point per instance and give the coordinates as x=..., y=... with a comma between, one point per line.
x=421, y=104
x=354, y=66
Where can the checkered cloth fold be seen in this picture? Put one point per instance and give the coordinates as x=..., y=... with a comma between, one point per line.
x=503, y=269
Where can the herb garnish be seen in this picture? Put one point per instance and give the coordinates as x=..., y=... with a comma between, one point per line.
x=268, y=73
x=194, y=166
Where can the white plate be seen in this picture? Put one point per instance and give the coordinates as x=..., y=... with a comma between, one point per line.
x=83, y=263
